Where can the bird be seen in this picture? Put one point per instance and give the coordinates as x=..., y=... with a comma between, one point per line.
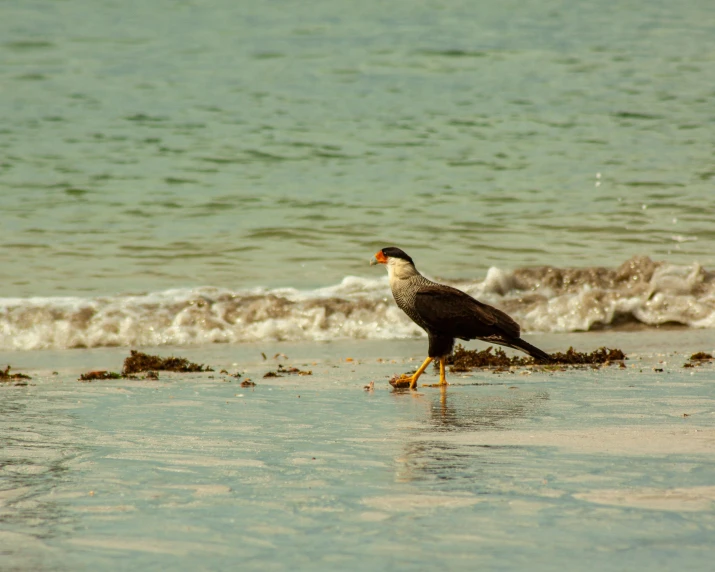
x=446, y=313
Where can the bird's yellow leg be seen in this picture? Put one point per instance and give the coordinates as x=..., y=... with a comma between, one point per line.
x=418, y=373
x=411, y=380
x=442, y=376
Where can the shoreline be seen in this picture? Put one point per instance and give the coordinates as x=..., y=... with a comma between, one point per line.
x=249, y=357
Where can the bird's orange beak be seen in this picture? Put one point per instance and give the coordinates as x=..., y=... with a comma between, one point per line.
x=379, y=258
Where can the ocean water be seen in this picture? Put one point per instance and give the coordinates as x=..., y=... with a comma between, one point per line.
x=185, y=173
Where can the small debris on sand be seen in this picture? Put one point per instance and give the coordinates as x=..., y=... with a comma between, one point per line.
x=271, y=374
x=370, y=386
x=99, y=374
x=247, y=383
x=237, y=375
x=5, y=375
x=139, y=361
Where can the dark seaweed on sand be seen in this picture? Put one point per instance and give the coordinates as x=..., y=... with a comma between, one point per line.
x=289, y=370
x=294, y=370
x=139, y=361
x=92, y=375
x=5, y=375
x=602, y=355
x=698, y=359
x=465, y=360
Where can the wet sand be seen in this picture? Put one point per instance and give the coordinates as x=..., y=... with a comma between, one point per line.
x=581, y=469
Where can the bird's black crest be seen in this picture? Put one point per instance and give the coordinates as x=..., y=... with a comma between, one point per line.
x=394, y=252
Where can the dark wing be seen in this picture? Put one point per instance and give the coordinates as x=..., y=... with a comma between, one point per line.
x=450, y=312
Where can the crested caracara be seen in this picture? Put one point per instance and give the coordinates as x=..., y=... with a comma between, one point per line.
x=446, y=313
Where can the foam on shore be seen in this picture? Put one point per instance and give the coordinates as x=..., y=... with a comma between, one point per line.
x=640, y=292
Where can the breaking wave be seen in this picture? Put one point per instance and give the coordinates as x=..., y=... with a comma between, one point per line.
x=640, y=292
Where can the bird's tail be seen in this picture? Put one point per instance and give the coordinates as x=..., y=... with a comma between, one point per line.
x=539, y=355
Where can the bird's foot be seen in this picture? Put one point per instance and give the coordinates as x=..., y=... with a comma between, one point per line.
x=440, y=384
x=403, y=382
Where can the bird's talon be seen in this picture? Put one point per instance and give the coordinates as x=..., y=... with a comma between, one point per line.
x=401, y=383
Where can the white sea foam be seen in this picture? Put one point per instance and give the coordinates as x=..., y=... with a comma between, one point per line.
x=542, y=299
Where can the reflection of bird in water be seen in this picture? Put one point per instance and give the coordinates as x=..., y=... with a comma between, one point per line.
x=483, y=411
x=438, y=459
x=446, y=313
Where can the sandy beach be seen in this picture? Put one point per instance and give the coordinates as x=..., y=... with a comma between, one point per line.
x=589, y=469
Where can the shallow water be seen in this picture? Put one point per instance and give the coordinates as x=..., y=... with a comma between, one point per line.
x=580, y=469
x=169, y=145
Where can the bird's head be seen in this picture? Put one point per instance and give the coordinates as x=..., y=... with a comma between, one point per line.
x=397, y=261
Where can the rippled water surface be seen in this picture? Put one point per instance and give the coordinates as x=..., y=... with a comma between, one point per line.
x=146, y=146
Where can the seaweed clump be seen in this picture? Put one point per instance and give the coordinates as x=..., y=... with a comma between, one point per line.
x=293, y=370
x=99, y=374
x=466, y=360
x=601, y=356
x=141, y=362
x=697, y=359
x=138, y=361
x=5, y=375
x=463, y=359
x=289, y=370
x=700, y=356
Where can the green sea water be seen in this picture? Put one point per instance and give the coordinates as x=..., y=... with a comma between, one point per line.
x=154, y=145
